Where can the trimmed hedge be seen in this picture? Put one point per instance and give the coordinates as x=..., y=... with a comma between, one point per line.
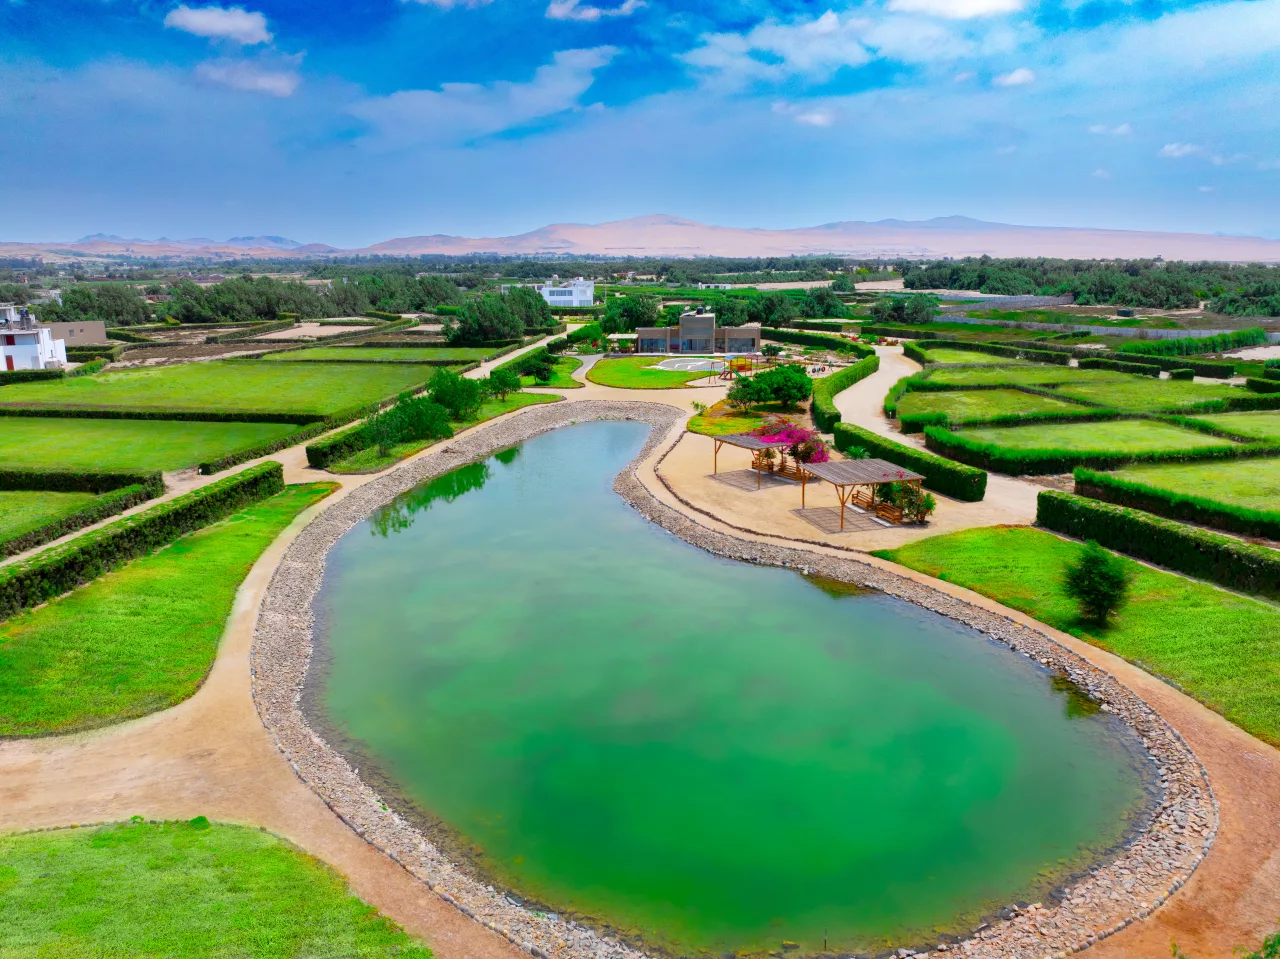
x=1137, y=369
x=1209, y=369
x=125, y=336
x=1182, y=374
x=250, y=331
x=999, y=349
x=899, y=332
x=79, y=481
x=820, y=326
x=940, y=475
x=825, y=388
x=577, y=310
x=1052, y=460
x=1200, y=510
x=382, y=315
x=1258, y=385
x=134, y=413
x=913, y=352
x=820, y=340
x=916, y=422
x=109, y=504
x=87, y=369
x=1191, y=345
x=1271, y=372
x=81, y=354
x=62, y=568
x=28, y=376
x=336, y=447
x=1195, y=552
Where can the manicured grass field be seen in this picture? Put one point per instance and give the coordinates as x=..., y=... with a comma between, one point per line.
x=1220, y=648
x=637, y=373
x=1252, y=483
x=385, y=354
x=1022, y=374
x=38, y=442
x=241, y=385
x=370, y=460
x=21, y=511
x=1258, y=425
x=943, y=355
x=720, y=419
x=139, y=639
x=1145, y=394
x=984, y=404
x=183, y=891
x=562, y=379
x=1103, y=437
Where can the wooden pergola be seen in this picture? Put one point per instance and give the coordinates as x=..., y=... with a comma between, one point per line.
x=757, y=446
x=856, y=481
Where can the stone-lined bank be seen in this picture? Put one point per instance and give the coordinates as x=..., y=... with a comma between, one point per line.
x=1152, y=865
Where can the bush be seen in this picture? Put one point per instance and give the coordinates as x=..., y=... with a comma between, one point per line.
x=1196, y=552
x=916, y=422
x=29, y=376
x=88, y=369
x=457, y=394
x=382, y=315
x=898, y=332
x=1192, y=345
x=79, y=481
x=411, y=418
x=916, y=505
x=1210, y=369
x=788, y=384
x=62, y=568
x=940, y=475
x=82, y=354
x=1182, y=374
x=1098, y=581
x=586, y=334
x=1137, y=369
x=1180, y=506
x=825, y=414
x=127, y=336
x=746, y=393
x=502, y=382
x=913, y=352
x=1262, y=386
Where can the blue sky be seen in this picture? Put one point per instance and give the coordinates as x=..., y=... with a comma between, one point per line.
x=356, y=121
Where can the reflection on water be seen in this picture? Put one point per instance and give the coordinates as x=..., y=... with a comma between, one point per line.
x=1078, y=703
x=398, y=515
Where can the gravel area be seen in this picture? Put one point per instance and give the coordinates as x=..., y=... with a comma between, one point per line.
x=1137, y=879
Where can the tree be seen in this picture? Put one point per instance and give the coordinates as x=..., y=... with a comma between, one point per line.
x=729, y=311
x=746, y=392
x=918, y=308
x=457, y=394
x=626, y=314
x=788, y=385
x=530, y=308
x=501, y=382
x=822, y=303
x=771, y=349
x=485, y=319
x=1098, y=581
x=773, y=309
x=842, y=283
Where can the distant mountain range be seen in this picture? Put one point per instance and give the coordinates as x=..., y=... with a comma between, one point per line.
x=671, y=236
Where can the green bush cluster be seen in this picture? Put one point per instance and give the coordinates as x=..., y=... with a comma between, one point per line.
x=940, y=475
x=899, y=332
x=1187, y=549
x=82, y=354
x=825, y=414
x=79, y=481
x=1209, y=369
x=88, y=369
x=1271, y=372
x=1137, y=369
x=62, y=568
x=1182, y=374
x=128, y=336
x=586, y=334
x=411, y=418
x=913, y=352
x=382, y=315
x=821, y=340
x=1193, y=509
x=29, y=376
x=1193, y=345
x=1259, y=385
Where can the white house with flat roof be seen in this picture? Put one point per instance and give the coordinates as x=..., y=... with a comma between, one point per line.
x=25, y=344
x=576, y=293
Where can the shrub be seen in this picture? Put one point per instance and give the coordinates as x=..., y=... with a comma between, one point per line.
x=916, y=505
x=586, y=334
x=83, y=354
x=1182, y=374
x=788, y=384
x=127, y=336
x=1098, y=581
x=62, y=568
x=999, y=349
x=1210, y=369
x=1196, y=552
x=1258, y=385
x=1191, y=345
x=457, y=394
x=109, y=504
x=1137, y=369
x=382, y=315
x=79, y=481
x=501, y=382
x=411, y=418
x=1271, y=372
x=825, y=414
x=88, y=369
x=746, y=393
x=913, y=352
x=771, y=349
x=940, y=475
x=28, y=376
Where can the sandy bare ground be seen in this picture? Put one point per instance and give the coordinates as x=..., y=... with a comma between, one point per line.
x=211, y=756
x=312, y=330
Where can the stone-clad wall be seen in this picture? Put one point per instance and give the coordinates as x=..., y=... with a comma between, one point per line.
x=1146, y=871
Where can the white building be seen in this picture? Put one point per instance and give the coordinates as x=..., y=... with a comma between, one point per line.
x=25, y=344
x=577, y=292
x=715, y=286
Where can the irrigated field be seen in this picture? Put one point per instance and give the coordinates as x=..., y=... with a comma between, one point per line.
x=232, y=385
x=1024, y=374
x=22, y=511
x=1108, y=436
x=1145, y=394
x=385, y=354
x=984, y=404
x=1251, y=483
x=1263, y=425
x=943, y=355
x=101, y=445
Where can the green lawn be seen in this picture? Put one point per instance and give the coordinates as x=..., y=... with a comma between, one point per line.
x=562, y=379
x=1251, y=483
x=240, y=385
x=386, y=354
x=984, y=404
x=141, y=638
x=1220, y=648
x=720, y=419
x=943, y=355
x=125, y=445
x=1022, y=374
x=1145, y=394
x=182, y=891
x=637, y=373
x=1119, y=436
x=371, y=461
x=1259, y=425
x=22, y=511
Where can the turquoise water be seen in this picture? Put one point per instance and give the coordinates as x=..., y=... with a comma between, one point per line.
x=697, y=753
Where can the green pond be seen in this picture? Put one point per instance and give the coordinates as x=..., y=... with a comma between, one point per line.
x=695, y=753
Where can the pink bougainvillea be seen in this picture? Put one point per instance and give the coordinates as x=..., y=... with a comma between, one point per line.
x=804, y=445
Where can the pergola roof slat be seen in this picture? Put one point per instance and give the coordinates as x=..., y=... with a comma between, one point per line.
x=865, y=472
x=748, y=442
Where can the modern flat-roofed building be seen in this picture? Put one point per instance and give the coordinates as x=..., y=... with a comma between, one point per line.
x=697, y=333
x=575, y=293
x=25, y=344
x=83, y=333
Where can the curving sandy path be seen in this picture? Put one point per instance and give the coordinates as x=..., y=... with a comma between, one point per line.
x=211, y=756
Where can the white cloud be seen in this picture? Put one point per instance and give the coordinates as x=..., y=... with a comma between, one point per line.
x=1015, y=78
x=1179, y=150
x=450, y=4
x=1207, y=189
x=963, y=76
x=461, y=111
x=217, y=23
x=574, y=10
x=241, y=75
x=1117, y=131
x=806, y=115
x=1100, y=174
x=956, y=9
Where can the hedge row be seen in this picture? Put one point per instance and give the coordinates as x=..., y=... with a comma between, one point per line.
x=940, y=475
x=1271, y=373
x=820, y=340
x=196, y=416
x=87, y=369
x=825, y=388
x=1195, y=552
x=62, y=568
x=1193, y=509
x=820, y=326
x=1210, y=369
x=109, y=504
x=336, y=447
x=1137, y=369
x=1182, y=374
x=577, y=310
x=899, y=332
x=1258, y=385
x=79, y=481
x=28, y=376
x=81, y=354
x=250, y=331
x=349, y=321
x=916, y=422
x=361, y=334
x=126, y=336
x=1052, y=460
x=913, y=352
x=382, y=315
x=999, y=349
x=1191, y=345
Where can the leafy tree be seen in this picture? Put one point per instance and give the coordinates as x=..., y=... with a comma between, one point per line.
x=747, y=392
x=729, y=310
x=16, y=293
x=114, y=304
x=822, y=303
x=626, y=314
x=773, y=309
x=530, y=308
x=542, y=370
x=1098, y=581
x=788, y=384
x=501, y=382
x=485, y=319
x=411, y=418
x=842, y=283
x=457, y=394
x=771, y=349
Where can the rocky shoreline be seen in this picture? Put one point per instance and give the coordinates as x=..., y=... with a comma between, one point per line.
x=1150, y=867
